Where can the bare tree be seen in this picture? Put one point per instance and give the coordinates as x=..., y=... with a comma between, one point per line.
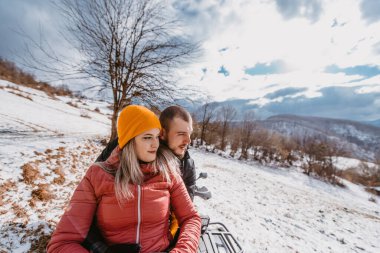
x=247, y=128
x=226, y=115
x=206, y=114
x=377, y=158
x=131, y=46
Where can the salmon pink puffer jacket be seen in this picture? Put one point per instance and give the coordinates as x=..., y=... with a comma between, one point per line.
x=142, y=219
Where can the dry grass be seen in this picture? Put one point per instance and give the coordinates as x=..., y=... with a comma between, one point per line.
x=373, y=191
x=21, y=95
x=42, y=193
x=367, y=177
x=10, y=72
x=48, y=151
x=57, y=156
x=19, y=211
x=37, y=153
x=72, y=104
x=61, y=176
x=39, y=244
x=61, y=149
x=7, y=186
x=29, y=173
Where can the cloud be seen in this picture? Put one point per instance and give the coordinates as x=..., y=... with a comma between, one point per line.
x=205, y=18
x=284, y=92
x=335, y=102
x=363, y=70
x=29, y=18
x=309, y=9
x=370, y=10
x=275, y=67
x=376, y=48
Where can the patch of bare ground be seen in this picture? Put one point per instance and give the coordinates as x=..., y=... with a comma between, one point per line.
x=29, y=173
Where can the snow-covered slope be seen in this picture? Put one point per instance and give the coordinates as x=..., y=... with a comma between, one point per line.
x=277, y=210
x=46, y=146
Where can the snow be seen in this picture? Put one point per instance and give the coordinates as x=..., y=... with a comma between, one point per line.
x=343, y=163
x=277, y=210
x=267, y=209
x=43, y=114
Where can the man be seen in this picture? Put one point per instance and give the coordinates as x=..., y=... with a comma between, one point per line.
x=177, y=127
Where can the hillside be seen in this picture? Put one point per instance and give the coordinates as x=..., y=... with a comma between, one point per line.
x=361, y=140
x=48, y=143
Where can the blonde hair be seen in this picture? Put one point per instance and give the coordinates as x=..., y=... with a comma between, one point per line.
x=129, y=172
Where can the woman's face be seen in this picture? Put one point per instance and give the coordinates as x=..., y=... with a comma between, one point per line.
x=146, y=145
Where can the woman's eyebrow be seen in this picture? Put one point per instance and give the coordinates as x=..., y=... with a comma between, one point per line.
x=151, y=135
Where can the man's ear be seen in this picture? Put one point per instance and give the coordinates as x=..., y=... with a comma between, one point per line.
x=163, y=134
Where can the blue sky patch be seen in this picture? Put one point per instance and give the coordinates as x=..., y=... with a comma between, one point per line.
x=274, y=67
x=363, y=70
x=224, y=71
x=284, y=92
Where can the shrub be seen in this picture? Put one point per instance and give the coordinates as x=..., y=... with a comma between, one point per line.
x=364, y=174
x=373, y=191
x=29, y=173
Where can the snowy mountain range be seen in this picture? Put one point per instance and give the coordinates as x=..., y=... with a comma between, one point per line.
x=47, y=143
x=360, y=140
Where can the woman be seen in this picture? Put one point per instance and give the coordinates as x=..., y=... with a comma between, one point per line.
x=130, y=194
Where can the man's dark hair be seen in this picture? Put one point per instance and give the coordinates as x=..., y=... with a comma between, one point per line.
x=172, y=112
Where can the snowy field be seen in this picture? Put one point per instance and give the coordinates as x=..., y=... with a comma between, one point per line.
x=47, y=144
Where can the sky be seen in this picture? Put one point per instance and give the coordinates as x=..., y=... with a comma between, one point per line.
x=307, y=57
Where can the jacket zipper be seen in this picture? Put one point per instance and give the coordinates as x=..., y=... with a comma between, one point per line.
x=138, y=213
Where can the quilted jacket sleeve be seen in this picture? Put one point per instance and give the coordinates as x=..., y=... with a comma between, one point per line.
x=189, y=176
x=188, y=218
x=75, y=222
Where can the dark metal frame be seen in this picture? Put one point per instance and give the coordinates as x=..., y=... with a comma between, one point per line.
x=218, y=239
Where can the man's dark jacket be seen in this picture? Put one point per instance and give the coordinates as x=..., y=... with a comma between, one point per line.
x=94, y=240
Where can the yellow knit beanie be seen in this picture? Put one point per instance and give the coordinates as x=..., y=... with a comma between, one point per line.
x=134, y=120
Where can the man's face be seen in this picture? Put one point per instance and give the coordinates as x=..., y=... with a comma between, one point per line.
x=178, y=136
